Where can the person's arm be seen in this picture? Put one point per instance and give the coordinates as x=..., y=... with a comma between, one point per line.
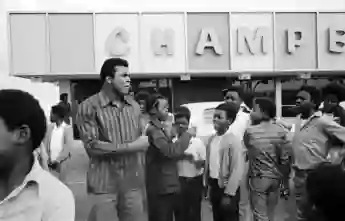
x=285, y=156
x=201, y=152
x=61, y=208
x=332, y=128
x=94, y=143
x=67, y=145
x=239, y=126
x=43, y=156
x=167, y=147
x=236, y=165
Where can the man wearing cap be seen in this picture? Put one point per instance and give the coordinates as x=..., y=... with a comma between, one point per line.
x=236, y=95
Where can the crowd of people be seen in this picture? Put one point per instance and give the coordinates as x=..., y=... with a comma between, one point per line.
x=148, y=164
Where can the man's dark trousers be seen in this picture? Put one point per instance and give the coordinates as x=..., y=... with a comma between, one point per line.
x=190, y=199
x=221, y=213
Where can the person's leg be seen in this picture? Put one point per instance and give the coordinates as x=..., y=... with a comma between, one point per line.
x=132, y=198
x=131, y=205
x=101, y=204
x=216, y=195
x=259, y=187
x=244, y=204
x=303, y=206
x=273, y=199
x=195, y=189
x=181, y=201
x=231, y=213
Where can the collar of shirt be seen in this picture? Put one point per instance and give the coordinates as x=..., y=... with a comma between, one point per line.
x=106, y=98
x=245, y=108
x=157, y=123
x=315, y=115
x=35, y=176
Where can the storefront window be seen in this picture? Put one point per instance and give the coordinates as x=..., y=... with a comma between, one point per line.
x=290, y=88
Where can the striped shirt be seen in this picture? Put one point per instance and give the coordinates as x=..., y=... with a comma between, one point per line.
x=268, y=150
x=99, y=121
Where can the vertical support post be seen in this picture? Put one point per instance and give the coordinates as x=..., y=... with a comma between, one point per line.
x=278, y=97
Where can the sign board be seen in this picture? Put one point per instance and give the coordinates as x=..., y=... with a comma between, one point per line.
x=244, y=77
x=185, y=77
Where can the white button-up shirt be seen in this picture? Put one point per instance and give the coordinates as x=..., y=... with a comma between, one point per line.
x=41, y=197
x=57, y=141
x=242, y=121
x=188, y=169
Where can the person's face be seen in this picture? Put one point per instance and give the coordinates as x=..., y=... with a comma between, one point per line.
x=162, y=108
x=232, y=97
x=330, y=102
x=121, y=81
x=302, y=97
x=181, y=125
x=53, y=117
x=142, y=105
x=220, y=121
x=256, y=115
x=10, y=141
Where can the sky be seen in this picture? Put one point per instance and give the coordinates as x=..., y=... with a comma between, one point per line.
x=51, y=93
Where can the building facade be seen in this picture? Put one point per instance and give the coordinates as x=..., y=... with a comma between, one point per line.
x=189, y=57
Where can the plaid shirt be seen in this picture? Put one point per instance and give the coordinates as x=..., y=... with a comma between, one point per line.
x=101, y=121
x=268, y=150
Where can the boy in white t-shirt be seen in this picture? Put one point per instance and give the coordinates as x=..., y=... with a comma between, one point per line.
x=190, y=170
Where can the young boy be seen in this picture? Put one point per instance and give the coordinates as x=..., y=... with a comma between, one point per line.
x=224, y=165
x=190, y=171
x=162, y=181
x=269, y=154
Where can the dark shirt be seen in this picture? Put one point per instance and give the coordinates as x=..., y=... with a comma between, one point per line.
x=161, y=160
x=100, y=120
x=268, y=150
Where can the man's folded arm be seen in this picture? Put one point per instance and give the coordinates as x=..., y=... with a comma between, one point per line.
x=95, y=144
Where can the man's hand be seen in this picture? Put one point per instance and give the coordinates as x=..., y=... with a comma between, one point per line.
x=226, y=201
x=54, y=165
x=188, y=156
x=140, y=144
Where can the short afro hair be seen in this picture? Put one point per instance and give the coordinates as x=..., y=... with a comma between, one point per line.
x=230, y=109
x=109, y=67
x=152, y=101
x=20, y=108
x=267, y=106
x=315, y=94
x=142, y=96
x=181, y=112
x=59, y=111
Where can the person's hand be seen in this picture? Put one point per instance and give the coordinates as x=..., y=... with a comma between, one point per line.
x=188, y=156
x=192, y=131
x=54, y=165
x=226, y=201
x=141, y=143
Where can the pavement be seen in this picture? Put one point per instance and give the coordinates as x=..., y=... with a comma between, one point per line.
x=285, y=210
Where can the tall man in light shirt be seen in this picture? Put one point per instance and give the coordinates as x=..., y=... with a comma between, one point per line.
x=311, y=147
x=237, y=96
x=224, y=165
x=190, y=171
x=57, y=142
x=27, y=192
